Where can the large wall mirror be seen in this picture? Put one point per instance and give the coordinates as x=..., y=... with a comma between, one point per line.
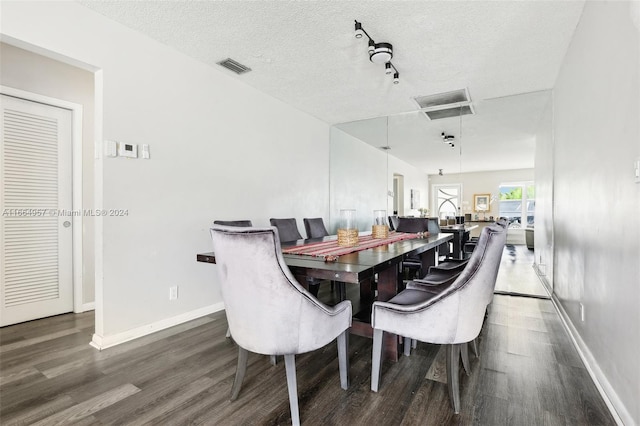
x=379, y=163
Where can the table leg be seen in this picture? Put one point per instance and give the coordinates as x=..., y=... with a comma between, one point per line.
x=428, y=258
x=387, y=288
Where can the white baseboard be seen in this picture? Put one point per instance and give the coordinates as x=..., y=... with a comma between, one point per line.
x=619, y=412
x=104, y=342
x=91, y=306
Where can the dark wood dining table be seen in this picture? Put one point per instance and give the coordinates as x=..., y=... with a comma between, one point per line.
x=458, y=232
x=361, y=268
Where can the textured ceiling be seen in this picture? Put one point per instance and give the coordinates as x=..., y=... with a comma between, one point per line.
x=305, y=53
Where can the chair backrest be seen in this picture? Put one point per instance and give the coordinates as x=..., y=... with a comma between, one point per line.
x=475, y=285
x=287, y=229
x=268, y=311
x=434, y=225
x=315, y=227
x=393, y=222
x=243, y=223
x=456, y=314
x=412, y=224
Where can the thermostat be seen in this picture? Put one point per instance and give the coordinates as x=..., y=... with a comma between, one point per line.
x=127, y=150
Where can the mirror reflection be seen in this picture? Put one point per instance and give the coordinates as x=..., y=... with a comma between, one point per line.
x=411, y=165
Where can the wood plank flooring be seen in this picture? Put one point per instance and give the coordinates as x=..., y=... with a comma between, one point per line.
x=528, y=373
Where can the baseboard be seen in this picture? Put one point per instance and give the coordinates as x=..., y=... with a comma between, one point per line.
x=104, y=342
x=618, y=410
x=91, y=306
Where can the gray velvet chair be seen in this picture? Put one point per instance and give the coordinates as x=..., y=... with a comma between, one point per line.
x=244, y=224
x=315, y=227
x=292, y=323
x=451, y=316
x=287, y=229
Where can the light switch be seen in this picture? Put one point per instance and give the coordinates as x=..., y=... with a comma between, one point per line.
x=145, y=151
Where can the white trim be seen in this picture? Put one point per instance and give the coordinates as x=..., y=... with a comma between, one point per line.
x=98, y=194
x=88, y=307
x=104, y=342
x=619, y=412
x=76, y=182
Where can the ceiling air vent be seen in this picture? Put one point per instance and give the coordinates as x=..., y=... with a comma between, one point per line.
x=234, y=66
x=445, y=105
x=456, y=111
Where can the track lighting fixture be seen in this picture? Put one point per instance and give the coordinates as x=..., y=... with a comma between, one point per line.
x=440, y=172
x=359, y=31
x=379, y=53
x=448, y=139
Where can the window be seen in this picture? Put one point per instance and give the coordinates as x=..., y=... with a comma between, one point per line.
x=517, y=201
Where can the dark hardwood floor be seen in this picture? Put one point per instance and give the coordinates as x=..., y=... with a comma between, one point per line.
x=528, y=373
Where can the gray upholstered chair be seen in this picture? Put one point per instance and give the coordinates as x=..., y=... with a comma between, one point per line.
x=242, y=223
x=315, y=227
x=452, y=316
x=287, y=229
x=292, y=323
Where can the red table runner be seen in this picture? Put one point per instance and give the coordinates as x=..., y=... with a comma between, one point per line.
x=331, y=249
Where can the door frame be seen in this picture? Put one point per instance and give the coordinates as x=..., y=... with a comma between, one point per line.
x=76, y=184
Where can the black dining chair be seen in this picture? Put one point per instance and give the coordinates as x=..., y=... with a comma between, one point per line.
x=315, y=227
x=288, y=232
x=287, y=229
x=242, y=223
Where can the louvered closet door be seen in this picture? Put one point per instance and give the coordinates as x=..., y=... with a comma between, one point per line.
x=36, y=238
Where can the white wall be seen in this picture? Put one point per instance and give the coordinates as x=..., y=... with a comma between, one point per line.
x=219, y=149
x=361, y=175
x=543, y=237
x=24, y=70
x=596, y=202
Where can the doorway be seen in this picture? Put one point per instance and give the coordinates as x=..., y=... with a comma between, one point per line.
x=398, y=195
x=37, y=199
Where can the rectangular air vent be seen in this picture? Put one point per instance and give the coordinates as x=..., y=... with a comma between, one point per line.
x=455, y=111
x=234, y=66
x=442, y=99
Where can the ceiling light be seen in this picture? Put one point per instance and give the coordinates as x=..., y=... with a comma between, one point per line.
x=448, y=139
x=379, y=53
x=382, y=53
x=359, y=31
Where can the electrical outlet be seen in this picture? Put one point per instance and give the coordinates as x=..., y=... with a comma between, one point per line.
x=581, y=312
x=173, y=292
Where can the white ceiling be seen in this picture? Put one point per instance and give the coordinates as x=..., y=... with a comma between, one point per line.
x=305, y=53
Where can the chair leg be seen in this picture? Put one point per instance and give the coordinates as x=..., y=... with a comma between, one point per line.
x=414, y=343
x=376, y=359
x=313, y=288
x=407, y=346
x=343, y=359
x=228, y=333
x=290, y=367
x=453, y=379
x=464, y=352
x=273, y=359
x=474, y=347
x=243, y=356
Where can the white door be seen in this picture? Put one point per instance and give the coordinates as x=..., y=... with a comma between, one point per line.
x=35, y=194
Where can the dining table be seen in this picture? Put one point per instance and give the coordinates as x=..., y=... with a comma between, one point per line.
x=459, y=231
x=375, y=268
